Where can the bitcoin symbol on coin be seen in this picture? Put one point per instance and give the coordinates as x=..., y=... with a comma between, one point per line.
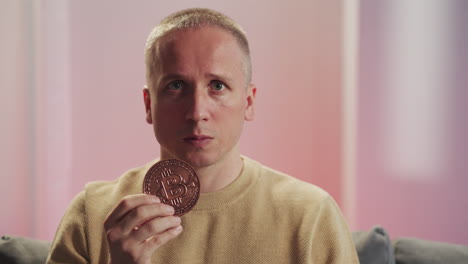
x=173, y=187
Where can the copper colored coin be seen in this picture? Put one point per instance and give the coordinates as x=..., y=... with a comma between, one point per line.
x=175, y=183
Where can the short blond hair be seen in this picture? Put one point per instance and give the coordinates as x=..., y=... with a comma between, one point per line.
x=190, y=19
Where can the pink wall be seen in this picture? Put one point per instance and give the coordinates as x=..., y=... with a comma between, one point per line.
x=412, y=146
x=15, y=122
x=95, y=51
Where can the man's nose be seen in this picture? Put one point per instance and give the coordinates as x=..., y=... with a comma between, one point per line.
x=198, y=106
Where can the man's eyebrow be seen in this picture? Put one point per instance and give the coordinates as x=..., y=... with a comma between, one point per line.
x=171, y=76
x=175, y=76
x=219, y=77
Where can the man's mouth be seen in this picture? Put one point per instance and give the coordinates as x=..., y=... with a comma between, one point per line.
x=198, y=140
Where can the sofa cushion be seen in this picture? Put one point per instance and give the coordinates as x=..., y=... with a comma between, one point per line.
x=374, y=246
x=417, y=251
x=19, y=250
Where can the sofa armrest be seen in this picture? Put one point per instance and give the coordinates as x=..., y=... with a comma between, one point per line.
x=19, y=250
x=374, y=246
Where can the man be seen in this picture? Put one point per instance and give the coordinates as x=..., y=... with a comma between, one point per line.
x=198, y=94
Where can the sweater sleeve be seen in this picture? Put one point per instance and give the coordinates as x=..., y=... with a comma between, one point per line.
x=69, y=245
x=331, y=240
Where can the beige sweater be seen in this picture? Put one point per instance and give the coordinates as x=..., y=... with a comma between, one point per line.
x=264, y=216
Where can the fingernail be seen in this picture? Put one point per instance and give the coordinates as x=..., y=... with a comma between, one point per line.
x=178, y=229
x=177, y=219
x=156, y=199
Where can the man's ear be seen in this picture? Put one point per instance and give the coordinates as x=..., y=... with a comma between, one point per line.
x=250, y=108
x=147, y=101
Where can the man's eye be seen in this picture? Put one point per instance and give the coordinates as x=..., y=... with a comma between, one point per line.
x=175, y=86
x=218, y=86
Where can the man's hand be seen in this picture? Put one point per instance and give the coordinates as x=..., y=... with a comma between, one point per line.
x=137, y=226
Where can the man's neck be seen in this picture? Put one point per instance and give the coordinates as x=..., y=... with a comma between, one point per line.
x=217, y=176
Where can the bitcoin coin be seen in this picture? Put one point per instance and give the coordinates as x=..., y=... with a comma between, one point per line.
x=175, y=182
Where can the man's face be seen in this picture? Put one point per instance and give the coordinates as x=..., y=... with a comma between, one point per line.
x=199, y=99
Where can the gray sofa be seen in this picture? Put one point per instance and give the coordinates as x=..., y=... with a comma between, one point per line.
x=373, y=246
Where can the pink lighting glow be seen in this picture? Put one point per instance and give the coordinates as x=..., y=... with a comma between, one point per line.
x=366, y=99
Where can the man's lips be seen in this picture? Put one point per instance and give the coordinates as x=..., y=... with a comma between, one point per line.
x=198, y=140
x=198, y=137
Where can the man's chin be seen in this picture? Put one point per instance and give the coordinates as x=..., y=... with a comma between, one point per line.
x=199, y=161
x=195, y=159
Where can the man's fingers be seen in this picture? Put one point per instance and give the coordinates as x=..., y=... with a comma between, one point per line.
x=126, y=205
x=152, y=243
x=155, y=227
x=144, y=213
x=138, y=225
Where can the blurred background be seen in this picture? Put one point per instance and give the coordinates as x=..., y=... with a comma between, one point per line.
x=365, y=99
